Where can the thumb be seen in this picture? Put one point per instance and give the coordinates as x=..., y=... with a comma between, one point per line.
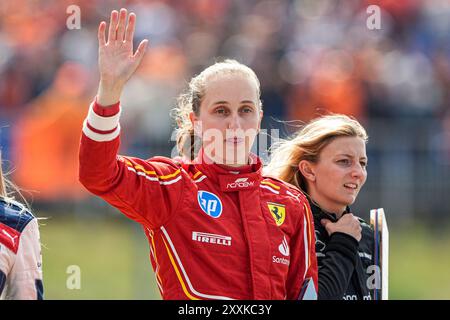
x=140, y=51
x=327, y=224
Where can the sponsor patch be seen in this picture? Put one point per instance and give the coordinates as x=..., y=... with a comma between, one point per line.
x=211, y=238
x=278, y=212
x=9, y=237
x=232, y=183
x=209, y=203
x=283, y=248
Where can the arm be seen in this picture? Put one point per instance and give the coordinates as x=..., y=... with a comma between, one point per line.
x=6, y=261
x=145, y=191
x=337, y=260
x=336, y=265
x=302, y=278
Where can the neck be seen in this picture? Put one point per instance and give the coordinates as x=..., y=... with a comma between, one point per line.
x=234, y=165
x=220, y=161
x=337, y=209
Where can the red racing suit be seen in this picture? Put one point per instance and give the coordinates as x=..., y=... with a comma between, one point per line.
x=214, y=232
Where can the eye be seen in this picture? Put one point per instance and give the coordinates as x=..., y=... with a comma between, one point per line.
x=221, y=111
x=344, y=161
x=247, y=109
x=363, y=164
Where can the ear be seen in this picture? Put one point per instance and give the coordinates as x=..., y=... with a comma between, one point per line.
x=196, y=124
x=261, y=114
x=307, y=170
x=192, y=117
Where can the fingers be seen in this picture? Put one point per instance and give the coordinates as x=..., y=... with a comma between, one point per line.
x=119, y=29
x=113, y=26
x=140, y=51
x=353, y=226
x=324, y=222
x=348, y=218
x=348, y=224
x=130, y=27
x=121, y=25
x=328, y=225
x=101, y=33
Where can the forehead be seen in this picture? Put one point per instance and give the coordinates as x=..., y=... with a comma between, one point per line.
x=234, y=87
x=353, y=146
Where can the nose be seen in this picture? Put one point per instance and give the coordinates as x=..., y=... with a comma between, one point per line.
x=358, y=171
x=234, y=122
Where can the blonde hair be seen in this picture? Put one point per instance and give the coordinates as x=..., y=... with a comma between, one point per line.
x=2, y=182
x=7, y=188
x=5, y=184
x=307, y=144
x=191, y=99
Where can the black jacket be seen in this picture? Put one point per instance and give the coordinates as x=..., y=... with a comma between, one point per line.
x=343, y=262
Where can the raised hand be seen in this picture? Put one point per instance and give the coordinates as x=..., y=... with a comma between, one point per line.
x=116, y=59
x=348, y=224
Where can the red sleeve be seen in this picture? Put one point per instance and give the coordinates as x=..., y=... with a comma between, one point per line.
x=303, y=274
x=145, y=191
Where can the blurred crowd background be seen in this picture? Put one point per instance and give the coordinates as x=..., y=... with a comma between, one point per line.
x=312, y=57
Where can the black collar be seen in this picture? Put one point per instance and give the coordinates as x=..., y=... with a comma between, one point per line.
x=322, y=214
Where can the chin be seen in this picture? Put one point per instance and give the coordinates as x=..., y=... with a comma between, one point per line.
x=350, y=200
x=346, y=200
x=236, y=158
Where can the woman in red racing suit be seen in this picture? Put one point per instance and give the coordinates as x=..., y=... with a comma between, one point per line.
x=217, y=229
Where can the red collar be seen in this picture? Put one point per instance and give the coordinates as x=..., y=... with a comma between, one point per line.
x=231, y=178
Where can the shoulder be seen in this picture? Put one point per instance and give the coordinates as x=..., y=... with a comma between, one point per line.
x=364, y=225
x=367, y=232
x=366, y=244
x=155, y=168
x=176, y=163
x=14, y=218
x=14, y=215
x=283, y=189
x=157, y=161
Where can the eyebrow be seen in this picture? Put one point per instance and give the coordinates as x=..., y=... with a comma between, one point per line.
x=226, y=102
x=220, y=102
x=350, y=156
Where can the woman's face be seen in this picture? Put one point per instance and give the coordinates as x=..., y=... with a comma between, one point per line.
x=339, y=174
x=229, y=118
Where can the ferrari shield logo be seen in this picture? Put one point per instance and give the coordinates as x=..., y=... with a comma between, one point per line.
x=278, y=212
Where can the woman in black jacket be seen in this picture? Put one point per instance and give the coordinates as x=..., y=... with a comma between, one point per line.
x=327, y=160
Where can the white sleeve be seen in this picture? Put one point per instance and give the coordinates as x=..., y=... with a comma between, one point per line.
x=6, y=262
x=24, y=280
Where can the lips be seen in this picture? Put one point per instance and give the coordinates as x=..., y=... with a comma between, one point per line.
x=234, y=140
x=352, y=186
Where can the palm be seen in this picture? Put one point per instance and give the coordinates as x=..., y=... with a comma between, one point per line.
x=116, y=59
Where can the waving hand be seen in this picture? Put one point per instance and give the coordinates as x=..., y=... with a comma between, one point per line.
x=116, y=60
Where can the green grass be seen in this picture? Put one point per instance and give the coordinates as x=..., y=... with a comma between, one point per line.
x=112, y=253
x=419, y=264
x=113, y=259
